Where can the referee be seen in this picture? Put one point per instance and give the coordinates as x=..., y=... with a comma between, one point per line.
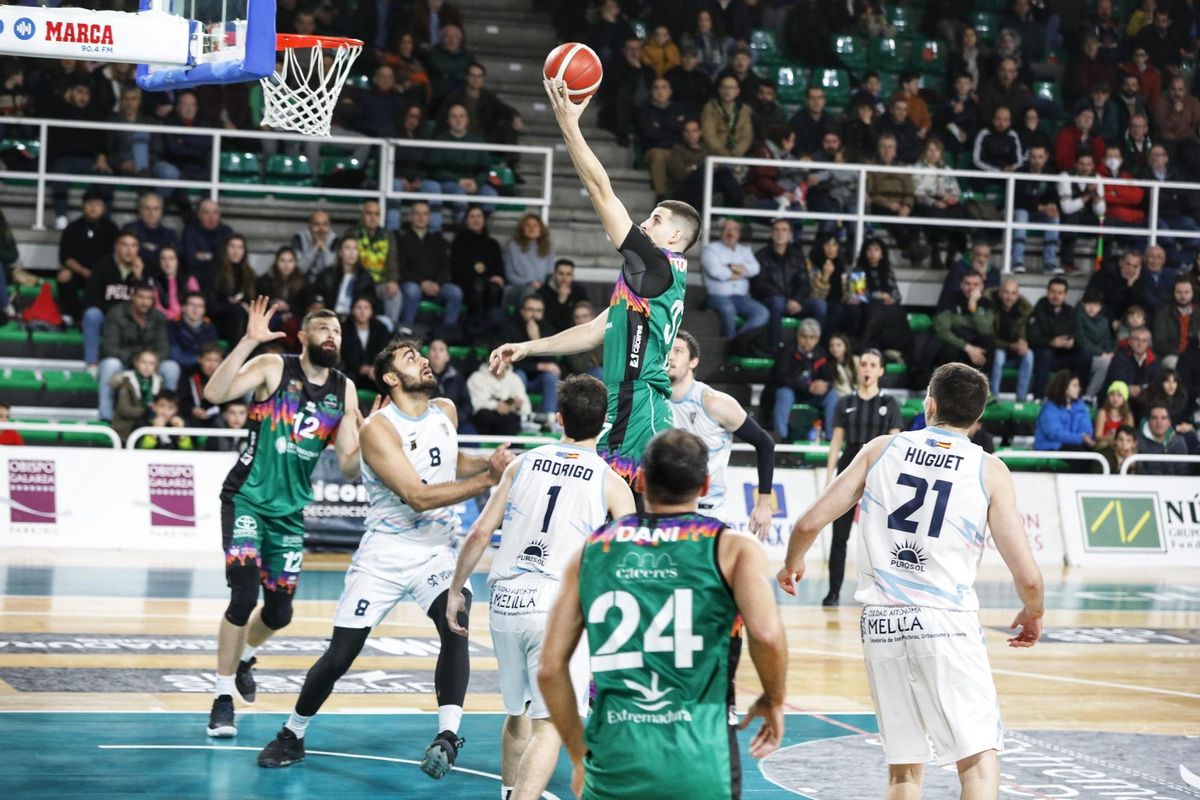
x=860, y=417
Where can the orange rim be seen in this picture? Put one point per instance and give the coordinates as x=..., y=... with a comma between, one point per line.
x=287, y=41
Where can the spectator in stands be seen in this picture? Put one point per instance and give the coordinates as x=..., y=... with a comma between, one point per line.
x=1030, y=131
x=998, y=147
x=233, y=418
x=1167, y=390
x=965, y=326
x=1104, y=25
x=462, y=172
x=726, y=122
x=826, y=270
x=182, y=156
x=1113, y=414
x=86, y=243
x=134, y=391
x=76, y=150
x=801, y=373
x=1094, y=337
x=783, y=187
x=1142, y=16
x=381, y=110
x=164, y=413
x=150, y=231
x=938, y=197
x=9, y=438
x=191, y=333
x=429, y=17
x=193, y=408
x=448, y=63
x=289, y=290
x=979, y=262
x=728, y=267
x=1160, y=279
x=1036, y=201
x=1087, y=68
x=768, y=114
x=590, y=362
x=1077, y=138
x=959, y=115
x=313, y=245
x=686, y=179
x=452, y=383
x=424, y=269
x=1176, y=115
x=110, y=284
x=477, y=267
x=812, y=122
x=659, y=122
x=1011, y=313
x=1080, y=203
x=918, y=111
x=707, y=36
x=625, y=87
x=1124, y=445
x=232, y=289
x=1123, y=203
x=897, y=124
x=860, y=135
x=362, y=339
x=129, y=151
x=1177, y=209
x=892, y=193
x=1137, y=365
x=1120, y=288
x=1002, y=91
x=831, y=190
x=203, y=240
x=870, y=91
x=170, y=287
x=378, y=253
x=1136, y=144
x=412, y=168
x=610, y=33
x=528, y=257
x=870, y=311
x=378, y=25
x=1052, y=336
x=1149, y=79
x=691, y=86
x=129, y=328
x=340, y=285
x=1165, y=45
x=970, y=58
x=561, y=294
x=1064, y=422
x=1157, y=437
x=782, y=283
x=1105, y=122
x=1175, y=324
x=738, y=67
x=491, y=118
x=499, y=401
x=660, y=52
x=539, y=374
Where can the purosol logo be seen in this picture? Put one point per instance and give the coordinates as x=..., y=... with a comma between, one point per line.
x=1121, y=522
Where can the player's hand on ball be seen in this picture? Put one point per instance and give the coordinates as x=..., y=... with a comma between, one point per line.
x=767, y=740
x=506, y=354
x=499, y=461
x=788, y=577
x=1031, y=630
x=565, y=109
x=454, y=607
x=258, y=326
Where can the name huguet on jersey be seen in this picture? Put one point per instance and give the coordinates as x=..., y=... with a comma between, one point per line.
x=925, y=458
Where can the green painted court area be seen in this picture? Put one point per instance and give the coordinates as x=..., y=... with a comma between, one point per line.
x=167, y=755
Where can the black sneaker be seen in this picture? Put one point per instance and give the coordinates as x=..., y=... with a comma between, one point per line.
x=244, y=681
x=220, y=719
x=285, y=750
x=440, y=755
x=830, y=599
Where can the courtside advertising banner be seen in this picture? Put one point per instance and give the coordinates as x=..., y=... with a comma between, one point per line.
x=1037, y=503
x=794, y=491
x=1130, y=520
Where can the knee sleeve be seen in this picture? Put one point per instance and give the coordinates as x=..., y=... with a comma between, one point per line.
x=277, y=609
x=243, y=593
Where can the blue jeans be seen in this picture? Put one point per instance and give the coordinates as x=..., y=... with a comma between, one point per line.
x=93, y=326
x=1049, y=238
x=545, y=384
x=449, y=295
x=785, y=398
x=1024, y=371
x=728, y=307
x=1179, y=222
x=460, y=209
x=435, y=206
x=777, y=305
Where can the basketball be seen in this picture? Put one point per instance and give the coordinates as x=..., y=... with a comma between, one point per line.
x=576, y=65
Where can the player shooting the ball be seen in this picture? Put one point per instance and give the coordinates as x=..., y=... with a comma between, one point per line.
x=644, y=313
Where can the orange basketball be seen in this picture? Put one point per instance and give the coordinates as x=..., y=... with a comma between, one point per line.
x=576, y=65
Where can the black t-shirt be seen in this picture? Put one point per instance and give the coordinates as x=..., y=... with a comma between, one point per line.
x=863, y=420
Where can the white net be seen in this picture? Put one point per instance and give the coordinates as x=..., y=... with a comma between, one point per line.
x=302, y=93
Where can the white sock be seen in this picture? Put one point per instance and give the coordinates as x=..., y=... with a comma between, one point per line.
x=296, y=724
x=449, y=718
x=249, y=652
x=226, y=685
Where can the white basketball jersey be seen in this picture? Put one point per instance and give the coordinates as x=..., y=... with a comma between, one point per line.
x=922, y=523
x=690, y=416
x=556, y=500
x=431, y=444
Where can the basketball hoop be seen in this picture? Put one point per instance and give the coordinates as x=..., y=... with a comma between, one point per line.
x=302, y=93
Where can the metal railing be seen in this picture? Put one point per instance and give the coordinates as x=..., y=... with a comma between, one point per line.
x=214, y=186
x=152, y=430
x=1142, y=458
x=1057, y=455
x=861, y=218
x=64, y=427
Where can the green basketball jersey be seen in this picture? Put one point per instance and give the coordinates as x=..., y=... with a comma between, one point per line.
x=644, y=314
x=659, y=614
x=288, y=431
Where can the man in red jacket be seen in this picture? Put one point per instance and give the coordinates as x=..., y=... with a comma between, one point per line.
x=1076, y=138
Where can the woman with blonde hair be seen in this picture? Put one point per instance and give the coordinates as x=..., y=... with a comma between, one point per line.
x=528, y=258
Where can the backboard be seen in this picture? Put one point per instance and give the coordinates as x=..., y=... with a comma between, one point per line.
x=231, y=41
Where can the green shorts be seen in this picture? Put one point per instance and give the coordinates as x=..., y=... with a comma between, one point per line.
x=273, y=544
x=636, y=414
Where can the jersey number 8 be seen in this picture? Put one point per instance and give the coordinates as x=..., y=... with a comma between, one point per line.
x=676, y=612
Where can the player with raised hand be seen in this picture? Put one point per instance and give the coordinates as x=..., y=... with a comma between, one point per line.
x=548, y=502
x=645, y=310
x=929, y=499
x=298, y=408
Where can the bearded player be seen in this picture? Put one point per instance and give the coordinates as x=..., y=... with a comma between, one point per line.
x=644, y=312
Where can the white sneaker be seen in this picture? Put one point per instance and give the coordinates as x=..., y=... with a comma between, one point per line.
x=60, y=223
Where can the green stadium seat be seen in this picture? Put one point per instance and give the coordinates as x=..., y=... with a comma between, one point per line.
x=639, y=28
x=329, y=166
x=887, y=52
x=997, y=412
x=535, y=400
x=430, y=307
x=905, y=19
x=72, y=338
x=74, y=381
x=33, y=290
x=749, y=362
x=481, y=353
x=918, y=322
x=460, y=351
x=896, y=369
x=764, y=47
x=239, y=165
x=365, y=398
x=835, y=82
x=984, y=23
x=1026, y=413
x=1048, y=90
x=791, y=83
x=33, y=437
x=790, y=323
x=852, y=50
x=289, y=170
x=19, y=380
x=360, y=82
x=929, y=56
x=13, y=332
x=801, y=421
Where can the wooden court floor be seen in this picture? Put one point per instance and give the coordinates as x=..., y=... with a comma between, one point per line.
x=104, y=633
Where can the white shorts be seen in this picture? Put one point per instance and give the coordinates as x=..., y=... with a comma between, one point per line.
x=518, y=656
x=931, y=684
x=714, y=510
x=387, y=569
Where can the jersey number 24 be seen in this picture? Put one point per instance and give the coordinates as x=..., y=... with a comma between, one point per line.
x=676, y=613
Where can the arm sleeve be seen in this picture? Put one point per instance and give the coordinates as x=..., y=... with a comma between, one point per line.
x=764, y=451
x=646, y=268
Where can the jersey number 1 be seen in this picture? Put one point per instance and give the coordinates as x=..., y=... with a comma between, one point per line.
x=899, y=520
x=554, y=490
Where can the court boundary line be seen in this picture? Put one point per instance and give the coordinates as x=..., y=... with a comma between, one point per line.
x=1023, y=737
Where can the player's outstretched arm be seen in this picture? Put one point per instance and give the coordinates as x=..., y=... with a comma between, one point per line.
x=838, y=498
x=595, y=180
x=475, y=543
x=730, y=415
x=745, y=566
x=576, y=339
x=563, y=630
x=1008, y=532
x=235, y=377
